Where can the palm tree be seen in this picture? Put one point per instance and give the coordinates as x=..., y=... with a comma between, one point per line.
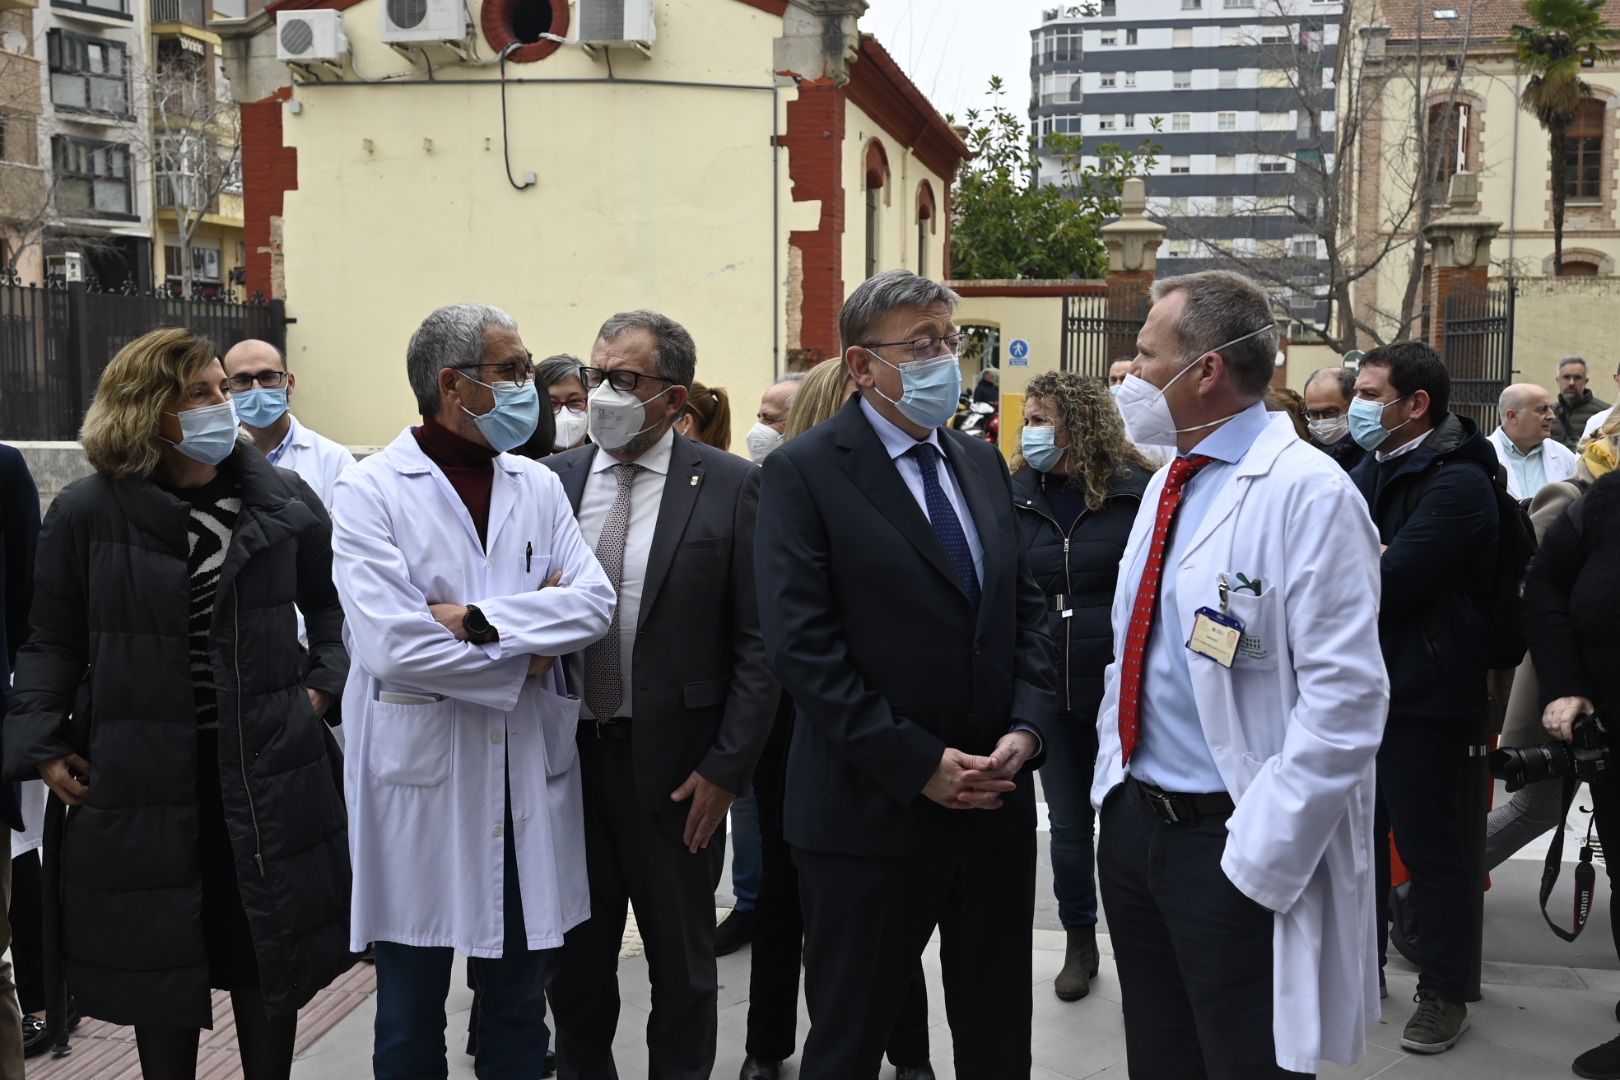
x=1562, y=37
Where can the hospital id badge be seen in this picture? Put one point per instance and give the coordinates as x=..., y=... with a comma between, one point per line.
x=1216, y=635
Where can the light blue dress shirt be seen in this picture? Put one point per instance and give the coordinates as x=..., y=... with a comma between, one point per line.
x=1528, y=472
x=899, y=445
x=1171, y=752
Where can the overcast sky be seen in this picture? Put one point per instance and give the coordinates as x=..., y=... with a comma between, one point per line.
x=950, y=48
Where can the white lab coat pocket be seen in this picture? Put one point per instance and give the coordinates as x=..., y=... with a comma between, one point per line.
x=412, y=745
x=559, y=721
x=1262, y=642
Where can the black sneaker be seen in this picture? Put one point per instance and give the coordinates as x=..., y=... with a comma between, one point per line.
x=1600, y=1062
x=1436, y=1025
x=36, y=1040
x=735, y=931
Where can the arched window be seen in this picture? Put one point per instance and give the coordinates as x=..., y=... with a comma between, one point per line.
x=1583, y=153
x=877, y=175
x=1448, y=142
x=925, y=224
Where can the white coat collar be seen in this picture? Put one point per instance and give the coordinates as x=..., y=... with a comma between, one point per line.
x=406, y=457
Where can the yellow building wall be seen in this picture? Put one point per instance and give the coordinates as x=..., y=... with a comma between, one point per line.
x=897, y=213
x=664, y=197
x=1518, y=198
x=226, y=234
x=1577, y=316
x=1036, y=319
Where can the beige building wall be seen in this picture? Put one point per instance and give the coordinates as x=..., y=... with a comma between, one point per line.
x=663, y=197
x=1553, y=319
x=897, y=246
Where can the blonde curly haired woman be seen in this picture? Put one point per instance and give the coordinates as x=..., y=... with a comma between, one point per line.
x=1077, y=485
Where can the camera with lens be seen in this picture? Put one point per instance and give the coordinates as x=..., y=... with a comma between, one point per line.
x=1585, y=757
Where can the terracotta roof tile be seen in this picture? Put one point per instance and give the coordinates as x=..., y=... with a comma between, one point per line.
x=1487, y=21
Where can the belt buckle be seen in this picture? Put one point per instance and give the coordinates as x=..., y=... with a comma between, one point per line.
x=602, y=727
x=1165, y=804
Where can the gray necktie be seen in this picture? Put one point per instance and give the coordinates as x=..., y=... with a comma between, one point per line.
x=604, y=685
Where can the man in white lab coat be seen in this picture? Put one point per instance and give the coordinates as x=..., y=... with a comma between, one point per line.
x=463, y=575
x=1240, y=721
x=262, y=390
x=1524, y=443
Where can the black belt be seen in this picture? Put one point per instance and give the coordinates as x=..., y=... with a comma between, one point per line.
x=1176, y=807
x=615, y=730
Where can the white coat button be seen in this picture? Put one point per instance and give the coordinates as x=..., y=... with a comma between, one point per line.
x=496, y=831
x=497, y=737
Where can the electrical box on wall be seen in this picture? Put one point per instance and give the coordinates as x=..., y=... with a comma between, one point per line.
x=617, y=22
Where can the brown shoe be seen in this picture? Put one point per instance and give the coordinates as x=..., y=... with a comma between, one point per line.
x=1080, y=962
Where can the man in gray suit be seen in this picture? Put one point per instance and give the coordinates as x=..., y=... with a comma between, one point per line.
x=677, y=698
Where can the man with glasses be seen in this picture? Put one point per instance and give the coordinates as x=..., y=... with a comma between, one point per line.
x=905, y=626
x=262, y=389
x=677, y=698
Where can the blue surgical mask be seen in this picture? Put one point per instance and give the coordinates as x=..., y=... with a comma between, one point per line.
x=262, y=407
x=1116, y=389
x=209, y=434
x=1040, y=448
x=513, y=419
x=1367, y=422
x=930, y=391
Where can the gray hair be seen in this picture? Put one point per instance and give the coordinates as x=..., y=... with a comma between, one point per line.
x=452, y=336
x=554, y=369
x=882, y=293
x=1222, y=307
x=1344, y=376
x=1568, y=360
x=674, y=352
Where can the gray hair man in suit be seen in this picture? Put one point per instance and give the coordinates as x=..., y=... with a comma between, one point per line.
x=677, y=697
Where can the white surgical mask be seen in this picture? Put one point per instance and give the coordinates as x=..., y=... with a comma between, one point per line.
x=616, y=416
x=1147, y=414
x=1329, y=430
x=570, y=428
x=762, y=439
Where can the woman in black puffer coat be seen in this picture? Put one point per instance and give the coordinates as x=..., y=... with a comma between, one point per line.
x=165, y=699
x=1077, y=485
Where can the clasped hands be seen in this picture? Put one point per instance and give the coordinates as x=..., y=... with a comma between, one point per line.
x=971, y=782
x=453, y=617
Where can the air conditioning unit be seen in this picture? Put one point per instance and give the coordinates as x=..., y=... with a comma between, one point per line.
x=415, y=21
x=616, y=22
x=310, y=37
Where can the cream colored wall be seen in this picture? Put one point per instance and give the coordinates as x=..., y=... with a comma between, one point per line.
x=1036, y=319
x=897, y=216
x=1553, y=319
x=1305, y=359
x=1523, y=207
x=657, y=197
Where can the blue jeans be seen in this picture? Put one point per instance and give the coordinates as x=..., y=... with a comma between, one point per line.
x=745, y=851
x=412, y=984
x=1071, y=757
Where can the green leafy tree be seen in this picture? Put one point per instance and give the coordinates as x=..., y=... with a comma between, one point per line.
x=1005, y=225
x=1561, y=37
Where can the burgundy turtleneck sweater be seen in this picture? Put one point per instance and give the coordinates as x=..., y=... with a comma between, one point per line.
x=469, y=467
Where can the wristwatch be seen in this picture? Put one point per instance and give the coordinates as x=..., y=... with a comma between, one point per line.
x=479, y=632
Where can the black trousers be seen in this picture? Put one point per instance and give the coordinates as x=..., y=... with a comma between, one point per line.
x=1422, y=766
x=634, y=856
x=28, y=931
x=778, y=943
x=867, y=920
x=1194, y=953
x=1605, y=813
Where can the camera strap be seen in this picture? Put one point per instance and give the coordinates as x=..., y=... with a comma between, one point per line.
x=1585, y=873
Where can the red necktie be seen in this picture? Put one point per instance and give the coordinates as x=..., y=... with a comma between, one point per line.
x=1182, y=469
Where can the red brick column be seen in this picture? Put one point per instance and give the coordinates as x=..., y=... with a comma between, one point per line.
x=815, y=146
x=269, y=171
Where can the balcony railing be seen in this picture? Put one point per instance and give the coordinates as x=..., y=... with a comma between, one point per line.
x=190, y=12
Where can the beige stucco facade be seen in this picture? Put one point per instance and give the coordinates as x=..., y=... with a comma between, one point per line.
x=680, y=198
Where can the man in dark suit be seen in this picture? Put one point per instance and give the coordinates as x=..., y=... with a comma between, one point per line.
x=677, y=698
x=905, y=626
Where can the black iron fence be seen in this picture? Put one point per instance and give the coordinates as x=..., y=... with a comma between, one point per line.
x=56, y=339
x=1100, y=326
x=1478, y=350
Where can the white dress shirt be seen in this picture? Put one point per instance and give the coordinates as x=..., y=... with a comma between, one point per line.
x=899, y=446
x=646, y=494
x=1403, y=449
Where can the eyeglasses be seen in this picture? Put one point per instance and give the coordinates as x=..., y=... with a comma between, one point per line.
x=244, y=382
x=512, y=371
x=621, y=379
x=923, y=348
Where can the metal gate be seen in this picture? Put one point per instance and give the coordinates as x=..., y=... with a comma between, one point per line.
x=1100, y=327
x=1478, y=350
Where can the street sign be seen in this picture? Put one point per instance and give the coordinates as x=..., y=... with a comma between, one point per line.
x=1018, y=353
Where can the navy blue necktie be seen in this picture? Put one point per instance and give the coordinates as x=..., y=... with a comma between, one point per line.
x=947, y=527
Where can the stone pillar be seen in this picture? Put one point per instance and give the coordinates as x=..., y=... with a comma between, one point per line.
x=1460, y=252
x=1133, y=260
